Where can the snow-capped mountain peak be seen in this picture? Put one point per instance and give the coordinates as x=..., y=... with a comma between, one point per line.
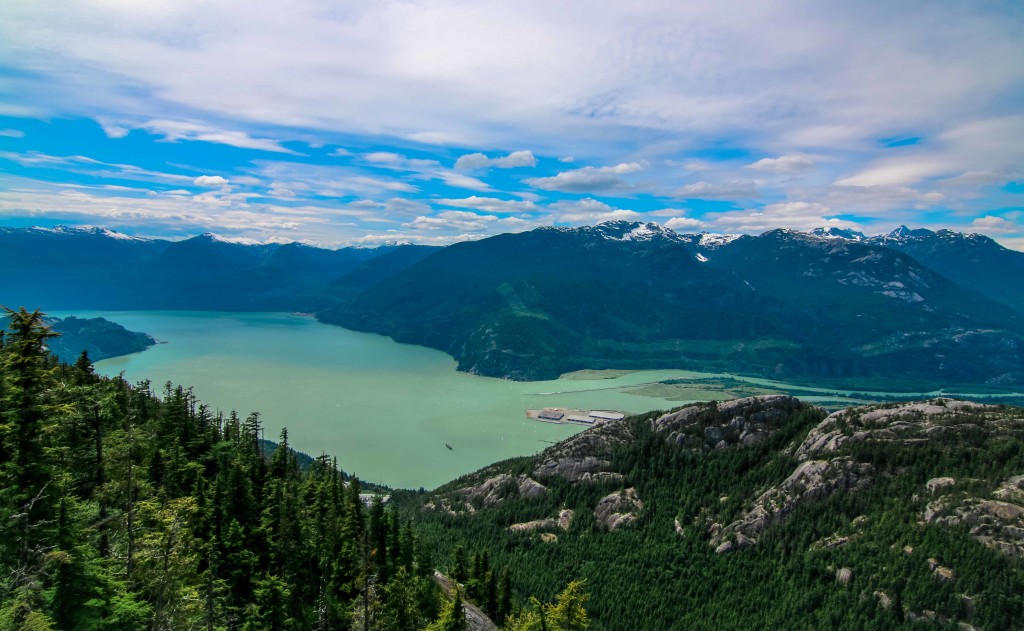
x=711, y=241
x=212, y=236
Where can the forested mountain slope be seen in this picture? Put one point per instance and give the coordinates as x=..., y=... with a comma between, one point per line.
x=627, y=295
x=762, y=513
x=125, y=510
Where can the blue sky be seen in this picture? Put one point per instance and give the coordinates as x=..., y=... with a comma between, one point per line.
x=433, y=122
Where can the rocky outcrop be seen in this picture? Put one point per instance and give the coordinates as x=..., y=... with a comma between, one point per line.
x=476, y=620
x=563, y=521
x=719, y=425
x=495, y=490
x=618, y=509
x=811, y=481
x=844, y=575
x=585, y=457
x=584, y=469
x=906, y=424
x=937, y=484
x=825, y=468
x=996, y=523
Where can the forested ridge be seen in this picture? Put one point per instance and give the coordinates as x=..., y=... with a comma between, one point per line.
x=125, y=509
x=916, y=523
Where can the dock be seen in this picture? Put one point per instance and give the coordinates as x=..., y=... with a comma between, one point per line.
x=572, y=416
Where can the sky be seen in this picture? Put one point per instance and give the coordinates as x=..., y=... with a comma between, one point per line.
x=363, y=122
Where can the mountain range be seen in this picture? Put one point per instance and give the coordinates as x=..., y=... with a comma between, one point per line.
x=914, y=308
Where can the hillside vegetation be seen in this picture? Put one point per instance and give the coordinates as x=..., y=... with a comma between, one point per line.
x=123, y=509
x=762, y=513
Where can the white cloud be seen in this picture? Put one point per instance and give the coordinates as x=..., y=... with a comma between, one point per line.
x=453, y=220
x=795, y=215
x=410, y=237
x=210, y=180
x=174, y=131
x=473, y=161
x=112, y=129
x=391, y=209
x=490, y=204
x=437, y=138
x=294, y=179
x=12, y=133
x=425, y=169
x=587, y=179
x=588, y=212
x=783, y=165
x=980, y=146
x=996, y=225
x=684, y=223
x=95, y=168
x=490, y=75
x=708, y=190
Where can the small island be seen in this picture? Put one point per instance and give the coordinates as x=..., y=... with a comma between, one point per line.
x=100, y=337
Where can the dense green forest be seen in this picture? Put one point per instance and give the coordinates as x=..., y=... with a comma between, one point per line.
x=99, y=337
x=124, y=509
x=858, y=557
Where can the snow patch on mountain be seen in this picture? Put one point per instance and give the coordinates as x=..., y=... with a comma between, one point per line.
x=711, y=241
x=212, y=236
x=87, y=230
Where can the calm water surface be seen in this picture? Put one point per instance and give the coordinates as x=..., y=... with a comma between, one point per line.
x=384, y=409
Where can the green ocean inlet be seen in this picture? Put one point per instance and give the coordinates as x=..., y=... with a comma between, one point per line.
x=387, y=410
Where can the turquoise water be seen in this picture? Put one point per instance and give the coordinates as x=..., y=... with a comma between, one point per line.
x=384, y=409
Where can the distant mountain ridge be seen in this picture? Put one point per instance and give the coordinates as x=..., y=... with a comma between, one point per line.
x=784, y=304
x=915, y=308
x=95, y=268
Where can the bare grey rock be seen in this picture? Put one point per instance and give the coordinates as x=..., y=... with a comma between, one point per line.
x=563, y=521
x=883, y=600
x=995, y=523
x=907, y=424
x=574, y=469
x=937, y=484
x=844, y=575
x=1011, y=490
x=476, y=620
x=618, y=509
x=810, y=482
x=726, y=423
x=495, y=490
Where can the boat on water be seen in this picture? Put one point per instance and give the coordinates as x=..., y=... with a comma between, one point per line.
x=449, y=446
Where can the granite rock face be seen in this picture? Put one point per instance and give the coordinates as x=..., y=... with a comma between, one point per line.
x=906, y=424
x=827, y=466
x=810, y=482
x=618, y=509
x=996, y=523
x=741, y=422
x=495, y=490
x=563, y=521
